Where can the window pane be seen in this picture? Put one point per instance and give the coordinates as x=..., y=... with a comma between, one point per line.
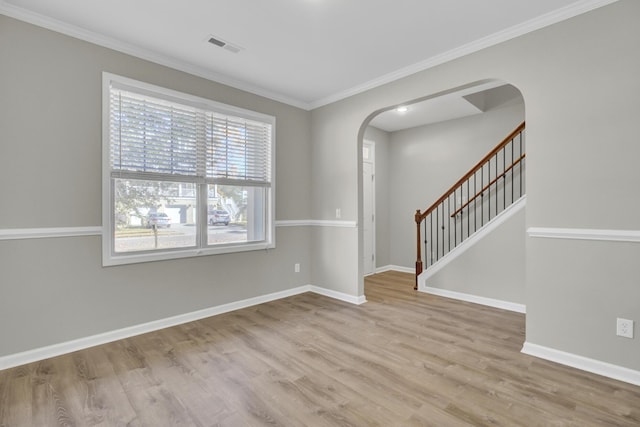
x=152, y=215
x=235, y=214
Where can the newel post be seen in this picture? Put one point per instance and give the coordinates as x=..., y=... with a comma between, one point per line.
x=418, y=219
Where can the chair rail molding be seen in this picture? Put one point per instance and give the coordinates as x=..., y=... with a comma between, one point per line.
x=585, y=234
x=53, y=232
x=46, y=233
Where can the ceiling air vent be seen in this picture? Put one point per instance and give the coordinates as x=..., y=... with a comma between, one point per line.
x=217, y=41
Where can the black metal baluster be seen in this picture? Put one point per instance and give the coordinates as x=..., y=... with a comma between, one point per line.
x=455, y=219
x=504, y=178
x=442, y=213
x=425, y=243
x=475, y=205
x=449, y=222
x=489, y=199
x=431, y=234
x=468, y=212
x=520, y=164
x=512, y=167
x=461, y=213
x=488, y=191
x=437, y=232
x=496, y=178
x=482, y=196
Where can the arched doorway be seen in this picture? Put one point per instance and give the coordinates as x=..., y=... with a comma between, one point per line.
x=422, y=151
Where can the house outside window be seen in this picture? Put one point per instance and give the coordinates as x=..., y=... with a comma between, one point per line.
x=183, y=176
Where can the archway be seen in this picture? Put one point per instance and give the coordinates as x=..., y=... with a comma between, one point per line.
x=422, y=152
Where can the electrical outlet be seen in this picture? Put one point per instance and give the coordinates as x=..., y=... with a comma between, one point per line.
x=338, y=213
x=296, y=267
x=624, y=328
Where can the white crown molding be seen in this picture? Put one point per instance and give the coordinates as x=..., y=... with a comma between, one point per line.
x=583, y=363
x=12, y=360
x=316, y=223
x=585, y=234
x=490, y=302
x=551, y=18
x=139, y=52
x=46, y=233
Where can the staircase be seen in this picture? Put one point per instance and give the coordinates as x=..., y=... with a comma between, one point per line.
x=491, y=186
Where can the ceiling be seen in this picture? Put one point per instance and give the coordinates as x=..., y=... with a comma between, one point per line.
x=455, y=105
x=306, y=53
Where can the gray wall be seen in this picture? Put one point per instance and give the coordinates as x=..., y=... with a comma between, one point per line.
x=55, y=290
x=579, y=79
x=426, y=161
x=381, y=140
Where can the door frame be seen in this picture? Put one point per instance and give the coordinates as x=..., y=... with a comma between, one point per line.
x=368, y=147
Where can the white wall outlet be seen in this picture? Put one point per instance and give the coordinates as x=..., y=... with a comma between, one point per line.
x=338, y=213
x=624, y=328
x=296, y=267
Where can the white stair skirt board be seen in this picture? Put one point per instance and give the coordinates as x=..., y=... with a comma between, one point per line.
x=498, y=220
x=605, y=369
x=54, y=350
x=490, y=302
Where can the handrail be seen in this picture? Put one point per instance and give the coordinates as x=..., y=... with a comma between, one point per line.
x=421, y=216
x=486, y=187
x=473, y=170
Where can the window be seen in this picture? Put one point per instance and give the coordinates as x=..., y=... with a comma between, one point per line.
x=182, y=176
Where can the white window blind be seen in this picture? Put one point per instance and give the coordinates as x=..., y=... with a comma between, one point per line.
x=239, y=150
x=152, y=136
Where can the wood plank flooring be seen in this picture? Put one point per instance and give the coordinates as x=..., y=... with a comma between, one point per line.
x=401, y=359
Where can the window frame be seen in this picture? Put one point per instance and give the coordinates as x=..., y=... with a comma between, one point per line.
x=109, y=256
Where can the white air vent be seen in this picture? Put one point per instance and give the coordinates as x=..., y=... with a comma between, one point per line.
x=232, y=48
x=217, y=41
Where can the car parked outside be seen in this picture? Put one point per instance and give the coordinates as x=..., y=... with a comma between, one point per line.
x=159, y=219
x=218, y=216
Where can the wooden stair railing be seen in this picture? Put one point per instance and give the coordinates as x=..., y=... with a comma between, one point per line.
x=513, y=145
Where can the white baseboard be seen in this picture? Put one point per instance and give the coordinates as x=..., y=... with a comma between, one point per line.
x=496, y=303
x=54, y=350
x=583, y=363
x=392, y=267
x=338, y=295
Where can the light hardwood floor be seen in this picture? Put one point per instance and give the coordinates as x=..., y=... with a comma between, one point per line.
x=401, y=359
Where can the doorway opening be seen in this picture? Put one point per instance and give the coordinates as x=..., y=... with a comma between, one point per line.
x=420, y=151
x=368, y=208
